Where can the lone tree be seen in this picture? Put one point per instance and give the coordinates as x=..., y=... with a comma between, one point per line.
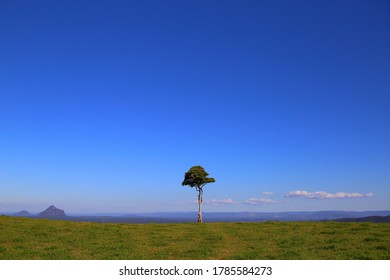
x=196, y=177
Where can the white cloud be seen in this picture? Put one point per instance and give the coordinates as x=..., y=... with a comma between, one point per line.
x=267, y=193
x=217, y=202
x=325, y=195
x=257, y=201
x=220, y=202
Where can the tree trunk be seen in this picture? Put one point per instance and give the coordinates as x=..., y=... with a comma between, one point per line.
x=200, y=201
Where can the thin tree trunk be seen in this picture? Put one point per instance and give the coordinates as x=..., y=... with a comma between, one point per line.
x=200, y=201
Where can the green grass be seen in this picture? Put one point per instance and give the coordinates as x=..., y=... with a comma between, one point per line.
x=23, y=238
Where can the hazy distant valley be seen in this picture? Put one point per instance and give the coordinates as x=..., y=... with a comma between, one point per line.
x=174, y=217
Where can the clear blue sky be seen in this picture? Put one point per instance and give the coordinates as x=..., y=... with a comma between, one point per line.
x=104, y=105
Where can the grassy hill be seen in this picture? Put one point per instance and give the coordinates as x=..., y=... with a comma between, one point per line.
x=24, y=238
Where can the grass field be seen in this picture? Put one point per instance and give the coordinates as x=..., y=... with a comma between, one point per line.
x=23, y=238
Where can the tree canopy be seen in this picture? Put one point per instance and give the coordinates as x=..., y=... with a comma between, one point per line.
x=196, y=176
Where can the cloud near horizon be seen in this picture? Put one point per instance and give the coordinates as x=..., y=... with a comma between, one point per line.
x=217, y=202
x=326, y=195
x=229, y=201
x=293, y=194
x=258, y=201
x=220, y=202
x=267, y=193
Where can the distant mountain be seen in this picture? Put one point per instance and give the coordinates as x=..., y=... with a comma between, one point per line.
x=23, y=213
x=375, y=219
x=52, y=212
x=257, y=216
x=209, y=217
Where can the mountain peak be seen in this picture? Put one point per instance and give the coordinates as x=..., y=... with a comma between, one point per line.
x=52, y=211
x=23, y=213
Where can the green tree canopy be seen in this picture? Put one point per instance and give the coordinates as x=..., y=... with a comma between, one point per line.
x=196, y=176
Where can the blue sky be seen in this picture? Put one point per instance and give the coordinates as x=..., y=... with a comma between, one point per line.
x=104, y=105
